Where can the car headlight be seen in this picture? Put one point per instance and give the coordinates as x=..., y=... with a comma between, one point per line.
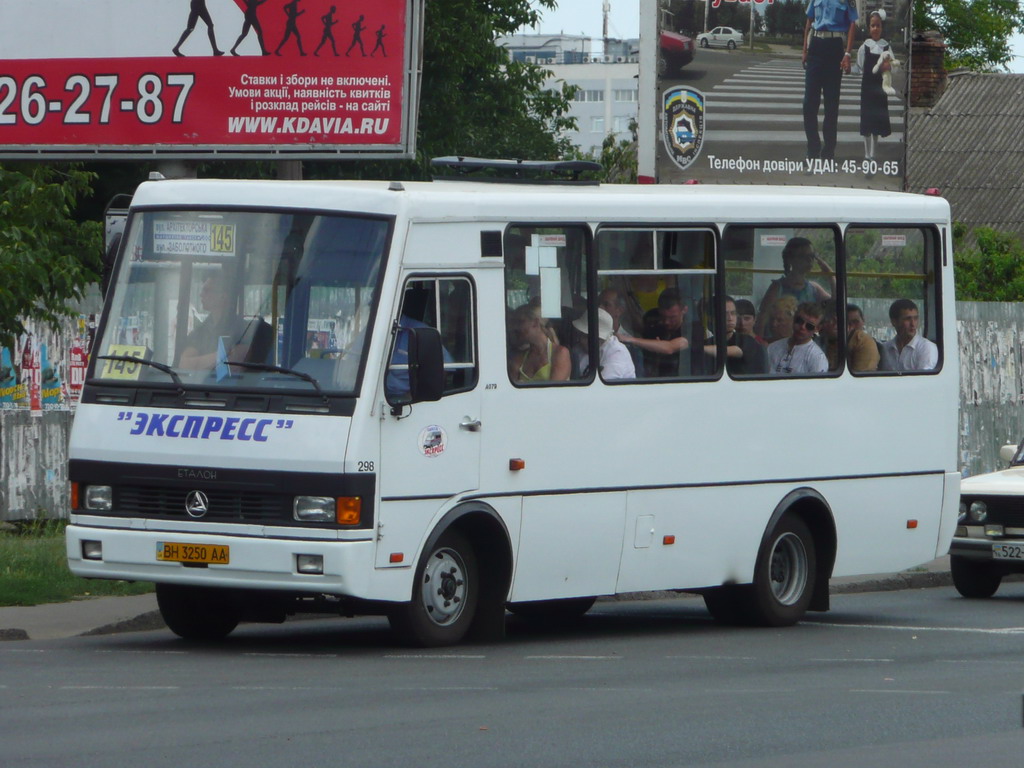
x=978, y=511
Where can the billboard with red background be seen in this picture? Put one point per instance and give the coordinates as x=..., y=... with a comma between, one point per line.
x=196, y=78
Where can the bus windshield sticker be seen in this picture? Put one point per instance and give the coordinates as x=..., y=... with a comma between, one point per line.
x=177, y=237
x=122, y=369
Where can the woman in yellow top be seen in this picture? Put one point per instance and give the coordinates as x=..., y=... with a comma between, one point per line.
x=537, y=355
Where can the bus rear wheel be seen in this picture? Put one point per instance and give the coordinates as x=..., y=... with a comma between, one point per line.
x=974, y=579
x=784, y=575
x=195, y=613
x=444, y=596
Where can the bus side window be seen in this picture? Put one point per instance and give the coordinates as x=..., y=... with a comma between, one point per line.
x=788, y=274
x=659, y=283
x=545, y=293
x=445, y=304
x=892, y=289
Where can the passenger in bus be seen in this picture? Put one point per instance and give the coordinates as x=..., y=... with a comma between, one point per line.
x=781, y=319
x=614, y=362
x=799, y=354
x=536, y=356
x=744, y=356
x=861, y=350
x=798, y=258
x=745, y=316
x=665, y=337
x=909, y=350
x=625, y=318
x=222, y=322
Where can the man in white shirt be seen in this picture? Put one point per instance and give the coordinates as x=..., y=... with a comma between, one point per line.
x=616, y=362
x=799, y=355
x=909, y=351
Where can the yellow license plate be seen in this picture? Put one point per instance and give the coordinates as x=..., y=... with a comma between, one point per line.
x=178, y=552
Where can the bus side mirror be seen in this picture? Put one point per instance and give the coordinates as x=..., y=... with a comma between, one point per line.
x=426, y=365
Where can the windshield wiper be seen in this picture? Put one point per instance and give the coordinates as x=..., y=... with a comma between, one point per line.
x=290, y=372
x=159, y=366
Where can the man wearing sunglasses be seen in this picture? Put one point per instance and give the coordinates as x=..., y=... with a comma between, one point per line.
x=799, y=355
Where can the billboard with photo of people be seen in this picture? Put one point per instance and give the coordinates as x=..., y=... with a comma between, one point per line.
x=204, y=78
x=778, y=92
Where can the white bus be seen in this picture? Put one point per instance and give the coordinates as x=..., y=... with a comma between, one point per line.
x=373, y=397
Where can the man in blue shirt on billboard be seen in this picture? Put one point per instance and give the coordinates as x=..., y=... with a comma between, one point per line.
x=828, y=39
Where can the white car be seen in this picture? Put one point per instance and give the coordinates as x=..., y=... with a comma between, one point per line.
x=989, y=539
x=723, y=36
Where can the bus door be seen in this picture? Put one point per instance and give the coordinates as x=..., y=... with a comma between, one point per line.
x=432, y=449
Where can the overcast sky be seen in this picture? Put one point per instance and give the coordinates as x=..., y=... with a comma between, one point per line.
x=576, y=17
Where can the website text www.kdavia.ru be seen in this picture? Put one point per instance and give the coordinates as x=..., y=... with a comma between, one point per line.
x=340, y=126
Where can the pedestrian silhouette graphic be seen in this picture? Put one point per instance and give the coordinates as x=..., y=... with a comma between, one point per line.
x=197, y=10
x=328, y=21
x=357, y=31
x=251, y=22
x=380, y=42
x=292, y=13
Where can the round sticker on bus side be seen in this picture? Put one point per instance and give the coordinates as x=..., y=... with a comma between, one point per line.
x=433, y=440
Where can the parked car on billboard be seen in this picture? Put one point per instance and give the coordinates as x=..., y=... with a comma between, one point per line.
x=720, y=36
x=675, y=51
x=988, y=543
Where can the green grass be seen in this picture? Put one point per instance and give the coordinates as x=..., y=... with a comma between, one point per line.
x=34, y=569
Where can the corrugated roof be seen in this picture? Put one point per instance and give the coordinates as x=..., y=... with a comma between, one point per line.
x=971, y=146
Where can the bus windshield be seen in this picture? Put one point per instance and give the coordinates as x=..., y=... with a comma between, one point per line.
x=243, y=300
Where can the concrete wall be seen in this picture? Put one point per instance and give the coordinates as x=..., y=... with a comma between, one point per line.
x=33, y=448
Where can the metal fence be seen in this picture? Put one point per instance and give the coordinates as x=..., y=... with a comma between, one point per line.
x=33, y=446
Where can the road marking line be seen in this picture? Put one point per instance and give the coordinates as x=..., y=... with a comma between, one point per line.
x=451, y=688
x=120, y=687
x=898, y=690
x=571, y=658
x=854, y=661
x=279, y=688
x=976, y=630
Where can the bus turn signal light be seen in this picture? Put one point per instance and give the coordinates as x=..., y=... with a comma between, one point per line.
x=516, y=464
x=74, y=495
x=911, y=524
x=348, y=510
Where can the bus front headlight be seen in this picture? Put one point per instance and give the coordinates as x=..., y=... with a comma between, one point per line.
x=99, y=498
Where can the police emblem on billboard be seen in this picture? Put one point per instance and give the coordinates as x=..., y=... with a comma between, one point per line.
x=682, y=121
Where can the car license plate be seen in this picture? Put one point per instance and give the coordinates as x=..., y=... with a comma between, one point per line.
x=177, y=552
x=1008, y=551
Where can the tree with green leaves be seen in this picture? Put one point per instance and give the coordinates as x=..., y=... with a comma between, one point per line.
x=992, y=269
x=977, y=32
x=474, y=100
x=47, y=258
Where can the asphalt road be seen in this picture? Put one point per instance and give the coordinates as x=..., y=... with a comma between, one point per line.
x=910, y=678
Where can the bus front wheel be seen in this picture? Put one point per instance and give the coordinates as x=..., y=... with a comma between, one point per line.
x=195, y=613
x=444, y=595
x=974, y=579
x=784, y=575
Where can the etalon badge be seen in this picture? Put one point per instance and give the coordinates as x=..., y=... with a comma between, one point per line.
x=682, y=124
x=196, y=504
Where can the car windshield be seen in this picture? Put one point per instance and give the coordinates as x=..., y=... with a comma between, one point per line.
x=287, y=296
